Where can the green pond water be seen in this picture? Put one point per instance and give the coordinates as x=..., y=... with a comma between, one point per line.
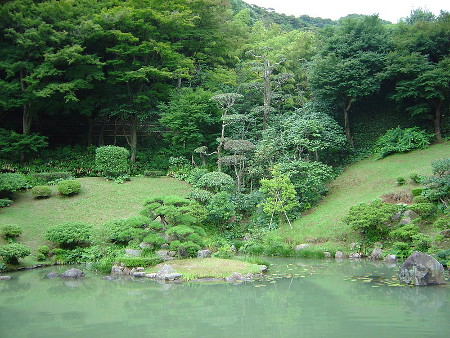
x=298, y=298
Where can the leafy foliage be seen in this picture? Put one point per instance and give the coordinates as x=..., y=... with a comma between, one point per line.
x=12, y=252
x=10, y=231
x=41, y=191
x=70, y=234
x=372, y=220
x=216, y=181
x=69, y=187
x=11, y=182
x=121, y=232
x=112, y=161
x=399, y=140
x=14, y=145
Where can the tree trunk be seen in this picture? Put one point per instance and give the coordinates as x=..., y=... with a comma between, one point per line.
x=437, y=122
x=347, y=121
x=90, y=122
x=133, y=138
x=267, y=92
x=219, y=147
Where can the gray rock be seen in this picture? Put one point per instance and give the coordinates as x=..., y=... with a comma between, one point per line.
x=377, y=253
x=390, y=259
x=133, y=252
x=167, y=273
x=405, y=220
x=263, y=268
x=203, y=254
x=5, y=277
x=397, y=216
x=236, y=277
x=72, y=273
x=166, y=255
x=151, y=275
x=145, y=245
x=354, y=255
x=411, y=214
x=301, y=247
x=233, y=249
x=326, y=254
x=165, y=246
x=339, y=254
x=421, y=269
x=52, y=274
x=109, y=278
x=138, y=274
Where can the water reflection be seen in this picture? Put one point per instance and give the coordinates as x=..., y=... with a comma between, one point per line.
x=297, y=298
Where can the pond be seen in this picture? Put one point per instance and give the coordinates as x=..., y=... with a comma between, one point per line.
x=298, y=298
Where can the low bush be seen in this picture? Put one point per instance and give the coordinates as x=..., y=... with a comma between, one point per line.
x=154, y=239
x=420, y=199
x=133, y=262
x=372, y=220
x=138, y=221
x=399, y=140
x=417, y=178
x=252, y=247
x=401, y=180
x=405, y=233
x=443, y=257
x=185, y=249
x=10, y=232
x=41, y=191
x=442, y=223
x=11, y=182
x=425, y=210
x=215, y=181
x=195, y=174
x=40, y=257
x=417, y=191
x=69, y=187
x=121, y=232
x=12, y=252
x=201, y=196
x=180, y=232
x=421, y=242
x=310, y=252
x=402, y=250
x=70, y=234
x=44, y=249
x=112, y=161
x=5, y=202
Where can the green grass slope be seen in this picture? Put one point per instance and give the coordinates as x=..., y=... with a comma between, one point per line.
x=99, y=201
x=361, y=182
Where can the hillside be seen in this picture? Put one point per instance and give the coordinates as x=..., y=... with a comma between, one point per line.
x=361, y=182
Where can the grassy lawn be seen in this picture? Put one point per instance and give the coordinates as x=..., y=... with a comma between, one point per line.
x=99, y=201
x=208, y=267
x=361, y=182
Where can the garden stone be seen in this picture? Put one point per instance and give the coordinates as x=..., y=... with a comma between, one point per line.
x=133, y=253
x=339, y=254
x=151, y=275
x=144, y=245
x=301, y=247
x=203, y=254
x=236, y=277
x=377, y=253
x=411, y=214
x=390, y=259
x=326, y=254
x=354, y=255
x=446, y=233
x=263, y=268
x=72, y=273
x=167, y=273
x=421, y=270
x=165, y=255
x=165, y=246
x=405, y=220
x=52, y=274
x=233, y=249
x=5, y=277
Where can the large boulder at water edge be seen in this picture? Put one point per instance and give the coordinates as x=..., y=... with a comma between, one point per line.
x=421, y=269
x=73, y=273
x=377, y=253
x=167, y=273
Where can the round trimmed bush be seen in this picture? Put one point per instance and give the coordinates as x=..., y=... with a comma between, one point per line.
x=10, y=231
x=11, y=182
x=41, y=191
x=112, y=161
x=69, y=187
x=12, y=252
x=154, y=239
x=44, y=249
x=216, y=181
x=70, y=234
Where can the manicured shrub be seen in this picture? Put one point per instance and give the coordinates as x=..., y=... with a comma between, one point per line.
x=134, y=262
x=185, y=249
x=200, y=195
x=41, y=191
x=425, y=210
x=401, y=180
x=399, y=140
x=12, y=252
x=416, y=191
x=11, y=182
x=44, y=249
x=5, y=202
x=421, y=242
x=405, y=233
x=195, y=174
x=402, y=250
x=443, y=256
x=442, y=223
x=120, y=232
x=420, y=199
x=372, y=220
x=154, y=239
x=112, y=161
x=70, y=234
x=40, y=257
x=417, y=178
x=215, y=181
x=180, y=231
x=10, y=232
x=69, y=187
x=138, y=221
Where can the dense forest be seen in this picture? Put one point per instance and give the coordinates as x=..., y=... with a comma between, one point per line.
x=216, y=85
